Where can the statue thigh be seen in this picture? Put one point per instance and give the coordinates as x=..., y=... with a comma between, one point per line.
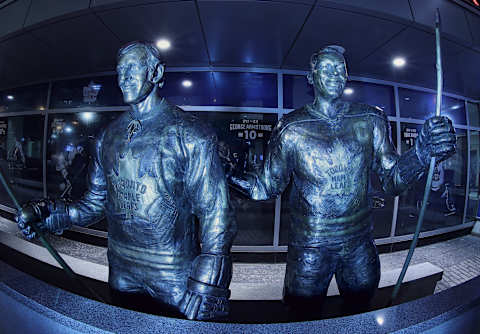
x=355, y=264
x=309, y=272
x=358, y=271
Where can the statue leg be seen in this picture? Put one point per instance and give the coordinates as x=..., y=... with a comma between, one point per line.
x=358, y=274
x=309, y=272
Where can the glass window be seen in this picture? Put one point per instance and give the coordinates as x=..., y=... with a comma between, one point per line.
x=474, y=195
x=473, y=114
x=97, y=91
x=382, y=205
x=221, y=89
x=372, y=94
x=21, y=157
x=243, y=141
x=421, y=105
x=447, y=196
x=24, y=98
x=70, y=144
x=297, y=92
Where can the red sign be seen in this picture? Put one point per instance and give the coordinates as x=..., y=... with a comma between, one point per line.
x=475, y=3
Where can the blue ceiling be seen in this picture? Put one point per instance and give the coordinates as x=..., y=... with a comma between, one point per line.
x=47, y=39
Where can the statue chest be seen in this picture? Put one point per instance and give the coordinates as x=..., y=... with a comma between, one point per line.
x=135, y=176
x=336, y=161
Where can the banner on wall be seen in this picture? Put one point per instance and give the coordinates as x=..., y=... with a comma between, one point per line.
x=409, y=135
x=242, y=138
x=250, y=129
x=90, y=92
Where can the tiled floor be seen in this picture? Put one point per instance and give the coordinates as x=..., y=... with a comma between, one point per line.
x=459, y=258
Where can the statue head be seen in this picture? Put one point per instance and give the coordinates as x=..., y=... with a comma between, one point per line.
x=139, y=68
x=328, y=72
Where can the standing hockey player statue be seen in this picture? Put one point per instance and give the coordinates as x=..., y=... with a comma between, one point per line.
x=155, y=169
x=327, y=150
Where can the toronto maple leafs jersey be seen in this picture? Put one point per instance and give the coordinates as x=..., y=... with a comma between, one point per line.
x=150, y=184
x=329, y=167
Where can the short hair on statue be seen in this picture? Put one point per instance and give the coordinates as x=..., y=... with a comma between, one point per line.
x=152, y=57
x=330, y=49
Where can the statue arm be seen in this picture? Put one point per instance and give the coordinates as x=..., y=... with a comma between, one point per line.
x=207, y=287
x=274, y=176
x=396, y=172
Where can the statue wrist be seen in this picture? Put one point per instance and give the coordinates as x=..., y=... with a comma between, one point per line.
x=201, y=288
x=212, y=269
x=410, y=167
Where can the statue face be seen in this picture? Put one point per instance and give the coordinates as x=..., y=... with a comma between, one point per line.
x=134, y=76
x=329, y=76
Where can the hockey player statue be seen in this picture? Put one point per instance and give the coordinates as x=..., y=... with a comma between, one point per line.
x=154, y=171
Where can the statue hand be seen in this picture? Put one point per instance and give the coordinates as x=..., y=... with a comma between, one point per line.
x=207, y=287
x=200, y=306
x=437, y=139
x=33, y=212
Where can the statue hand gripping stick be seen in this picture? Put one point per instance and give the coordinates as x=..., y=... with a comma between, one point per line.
x=32, y=216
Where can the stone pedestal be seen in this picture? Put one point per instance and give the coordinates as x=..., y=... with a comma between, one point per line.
x=476, y=229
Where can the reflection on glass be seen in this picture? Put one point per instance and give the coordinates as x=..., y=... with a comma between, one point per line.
x=473, y=114
x=382, y=205
x=96, y=91
x=473, y=196
x=421, y=105
x=297, y=92
x=221, y=89
x=24, y=98
x=21, y=157
x=242, y=144
x=70, y=145
x=447, y=196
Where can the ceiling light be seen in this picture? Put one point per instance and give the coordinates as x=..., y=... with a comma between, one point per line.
x=348, y=91
x=399, y=62
x=10, y=97
x=186, y=83
x=163, y=44
x=455, y=107
x=87, y=116
x=68, y=129
x=380, y=320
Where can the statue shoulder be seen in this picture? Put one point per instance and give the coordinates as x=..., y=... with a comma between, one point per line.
x=374, y=113
x=193, y=131
x=289, y=121
x=114, y=127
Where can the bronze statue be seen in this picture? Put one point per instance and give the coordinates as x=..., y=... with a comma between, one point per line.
x=154, y=170
x=327, y=150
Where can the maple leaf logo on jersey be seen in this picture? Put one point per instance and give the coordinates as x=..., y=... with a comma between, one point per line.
x=132, y=185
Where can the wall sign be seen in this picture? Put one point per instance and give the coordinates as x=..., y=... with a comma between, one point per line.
x=250, y=129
